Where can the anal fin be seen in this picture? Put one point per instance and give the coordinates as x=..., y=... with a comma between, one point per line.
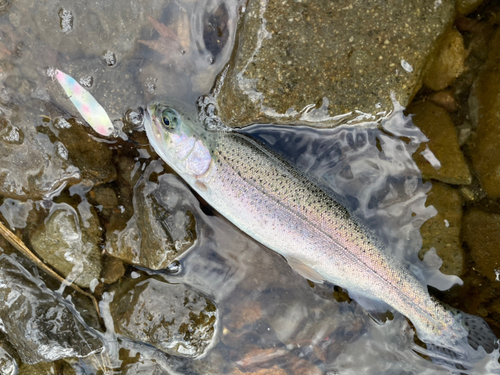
x=305, y=271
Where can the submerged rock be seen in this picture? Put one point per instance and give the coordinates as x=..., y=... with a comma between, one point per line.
x=92, y=157
x=447, y=163
x=40, y=326
x=8, y=365
x=442, y=231
x=31, y=165
x=467, y=6
x=484, y=102
x=292, y=55
x=481, y=232
x=39, y=369
x=113, y=270
x=69, y=244
x=448, y=63
x=171, y=317
x=163, y=225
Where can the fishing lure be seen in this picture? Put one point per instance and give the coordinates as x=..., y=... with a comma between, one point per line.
x=86, y=104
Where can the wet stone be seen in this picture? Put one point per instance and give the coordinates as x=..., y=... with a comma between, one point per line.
x=93, y=158
x=38, y=325
x=484, y=102
x=31, y=165
x=436, y=124
x=69, y=244
x=354, y=53
x=442, y=232
x=162, y=227
x=445, y=99
x=113, y=270
x=39, y=369
x=8, y=365
x=448, y=63
x=171, y=317
x=467, y=6
x=481, y=232
x=105, y=196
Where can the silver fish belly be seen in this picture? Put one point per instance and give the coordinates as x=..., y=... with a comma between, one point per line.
x=276, y=205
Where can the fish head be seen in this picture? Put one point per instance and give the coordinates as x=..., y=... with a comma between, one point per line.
x=162, y=121
x=172, y=130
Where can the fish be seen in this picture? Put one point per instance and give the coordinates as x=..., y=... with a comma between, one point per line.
x=278, y=206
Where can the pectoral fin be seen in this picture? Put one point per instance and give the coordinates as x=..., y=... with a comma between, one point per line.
x=305, y=271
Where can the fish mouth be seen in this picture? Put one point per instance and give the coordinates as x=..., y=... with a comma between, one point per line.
x=151, y=121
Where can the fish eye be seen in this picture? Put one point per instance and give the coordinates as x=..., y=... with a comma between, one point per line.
x=169, y=118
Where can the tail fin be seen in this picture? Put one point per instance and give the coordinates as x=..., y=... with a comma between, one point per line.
x=480, y=334
x=477, y=355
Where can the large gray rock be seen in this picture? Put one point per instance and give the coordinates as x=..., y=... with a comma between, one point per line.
x=163, y=225
x=171, y=317
x=69, y=244
x=39, y=326
x=292, y=54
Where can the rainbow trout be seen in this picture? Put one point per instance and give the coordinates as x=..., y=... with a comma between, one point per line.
x=276, y=205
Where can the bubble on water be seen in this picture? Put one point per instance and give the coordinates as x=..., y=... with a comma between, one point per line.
x=174, y=267
x=62, y=151
x=51, y=72
x=66, y=20
x=62, y=123
x=87, y=81
x=150, y=87
x=134, y=117
x=110, y=58
x=12, y=134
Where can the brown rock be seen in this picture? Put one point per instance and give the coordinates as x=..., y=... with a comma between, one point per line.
x=294, y=54
x=484, y=102
x=481, y=232
x=445, y=99
x=171, y=317
x=436, y=124
x=39, y=369
x=448, y=63
x=442, y=232
x=467, y=6
x=162, y=227
x=243, y=314
x=105, y=196
x=93, y=158
x=113, y=270
x=68, y=242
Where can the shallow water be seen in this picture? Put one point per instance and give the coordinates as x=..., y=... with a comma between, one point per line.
x=268, y=317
